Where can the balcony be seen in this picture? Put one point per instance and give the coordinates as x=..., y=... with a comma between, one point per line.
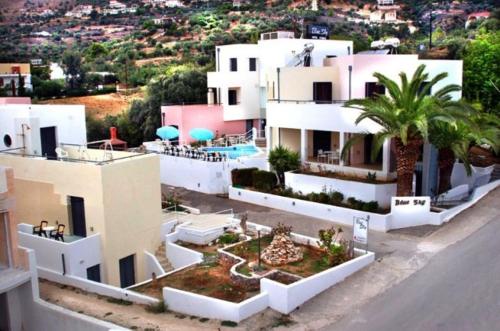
x=71, y=257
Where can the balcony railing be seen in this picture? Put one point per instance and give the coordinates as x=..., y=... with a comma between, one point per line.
x=298, y=102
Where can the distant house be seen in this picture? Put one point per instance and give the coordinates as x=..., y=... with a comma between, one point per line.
x=36, y=62
x=478, y=16
x=164, y=3
x=9, y=77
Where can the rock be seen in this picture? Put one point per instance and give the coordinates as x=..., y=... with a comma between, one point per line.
x=281, y=251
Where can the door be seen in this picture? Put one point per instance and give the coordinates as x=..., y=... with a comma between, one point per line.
x=4, y=312
x=372, y=89
x=248, y=125
x=94, y=273
x=127, y=271
x=49, y=143
x=322, y=92
x=321, y=140
x=78, y=216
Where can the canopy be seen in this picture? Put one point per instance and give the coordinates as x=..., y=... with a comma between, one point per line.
x=201, y=134
x=167, y=132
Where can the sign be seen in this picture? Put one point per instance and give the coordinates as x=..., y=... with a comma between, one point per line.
x=410, y=211
x=317, y=31
x=360, y=230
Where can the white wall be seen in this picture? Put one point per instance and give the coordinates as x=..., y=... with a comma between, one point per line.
x=152, y=265
x=286, y=298
x=382, y=193
x=200, y=305
x=69, y=120
x=202, y=176
x=480, y=176
x=78, y=255
x=178, y=256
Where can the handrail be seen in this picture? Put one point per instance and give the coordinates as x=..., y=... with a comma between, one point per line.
x=319, y=102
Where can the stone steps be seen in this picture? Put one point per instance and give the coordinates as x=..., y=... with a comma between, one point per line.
x=162, y=258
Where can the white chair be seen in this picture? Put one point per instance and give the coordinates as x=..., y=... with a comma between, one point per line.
x=333, y=156
x=61, y=153
x=321, y=155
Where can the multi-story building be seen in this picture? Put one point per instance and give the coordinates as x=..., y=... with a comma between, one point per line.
x=239, y=88
x=11, y=73
x=309, y=114
x=102, y=198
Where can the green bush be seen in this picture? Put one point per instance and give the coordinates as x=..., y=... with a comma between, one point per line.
x=264, y=180
x=229, y=238
x=336, y=198
x=243, y=177
x=157, y=308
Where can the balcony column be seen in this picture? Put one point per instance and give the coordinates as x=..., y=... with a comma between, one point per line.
x=341, y=147
x=303, y=145
x=386, y=156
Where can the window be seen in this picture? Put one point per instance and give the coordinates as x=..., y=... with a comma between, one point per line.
x=232, y=95
x=372, y=89
x=233, y=64
x=7, y=140
x=252, y=64
x=322, y=92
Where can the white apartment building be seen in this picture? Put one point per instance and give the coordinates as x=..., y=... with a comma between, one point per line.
x=241, y=84
x=309, y=117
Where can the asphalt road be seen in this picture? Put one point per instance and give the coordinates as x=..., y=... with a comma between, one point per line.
x=459, y=290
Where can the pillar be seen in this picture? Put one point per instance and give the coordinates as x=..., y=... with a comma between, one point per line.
x=303, y=145
x=386, y=156
x=341, y=146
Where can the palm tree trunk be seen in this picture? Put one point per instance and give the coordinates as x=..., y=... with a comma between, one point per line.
x=446, y=160
x=406, y=159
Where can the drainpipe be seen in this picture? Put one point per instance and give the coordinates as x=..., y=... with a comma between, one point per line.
x=350, y=82
x=279, y=92
x=348, y=50
x=218, y=59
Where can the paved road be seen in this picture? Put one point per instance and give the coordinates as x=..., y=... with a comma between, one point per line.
x=459, y=290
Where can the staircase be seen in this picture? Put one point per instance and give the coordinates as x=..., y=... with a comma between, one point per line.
x=162, y=258
x=261, y=142
x=496, y=173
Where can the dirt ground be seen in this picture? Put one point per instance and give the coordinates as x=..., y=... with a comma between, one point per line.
x=99, y=105
x=136, y=317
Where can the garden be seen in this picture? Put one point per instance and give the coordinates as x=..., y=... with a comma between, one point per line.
x=234, y=263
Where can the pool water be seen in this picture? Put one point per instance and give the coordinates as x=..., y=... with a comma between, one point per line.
x=234, y=152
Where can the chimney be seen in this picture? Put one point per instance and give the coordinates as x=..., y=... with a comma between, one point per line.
x=113, y=133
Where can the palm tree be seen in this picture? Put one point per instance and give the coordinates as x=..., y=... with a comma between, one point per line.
x=405, y=116
x=453, y=142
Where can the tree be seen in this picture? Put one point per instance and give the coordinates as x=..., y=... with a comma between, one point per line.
x=282, y=160
x=482, y=71
x=405, y=116
x=453, y=141
x=72, y=65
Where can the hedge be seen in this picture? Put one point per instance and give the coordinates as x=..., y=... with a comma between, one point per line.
x=264, y=180
x=243, y=177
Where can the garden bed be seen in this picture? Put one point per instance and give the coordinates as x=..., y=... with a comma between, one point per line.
x=211, y=279
x=312, y=262
x=345, y=176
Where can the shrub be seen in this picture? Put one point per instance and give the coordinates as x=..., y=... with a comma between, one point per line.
x=229, y=238
x=282, y=160
x=264, y=180
x=336, y=198
x=371, y=206
x=243, y=177
x=157, y=308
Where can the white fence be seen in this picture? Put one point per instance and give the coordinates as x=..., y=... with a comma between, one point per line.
x=480, y=176
x=78, y=255
x=152, y=265
x=179, y=256
x=381, y=193
x=95, y=287
x=202, y=176
x=378, y=222
x=285, y=298
x=203, y=306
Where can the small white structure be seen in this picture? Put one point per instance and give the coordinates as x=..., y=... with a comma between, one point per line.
x=40, y=128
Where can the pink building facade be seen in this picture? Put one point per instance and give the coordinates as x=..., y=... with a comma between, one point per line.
x=187, y=117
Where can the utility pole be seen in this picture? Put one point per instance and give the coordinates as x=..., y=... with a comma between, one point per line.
x=430, y=26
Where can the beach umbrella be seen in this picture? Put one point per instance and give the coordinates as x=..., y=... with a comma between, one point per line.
x=167, y=132
x=201, y=134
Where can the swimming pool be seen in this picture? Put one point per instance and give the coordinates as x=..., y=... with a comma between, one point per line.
x=234, y=152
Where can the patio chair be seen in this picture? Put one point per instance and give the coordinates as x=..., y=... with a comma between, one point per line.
x=61, y=153
x=334, y=156
x=39, y=229
x=321, y=155
x=59, y=233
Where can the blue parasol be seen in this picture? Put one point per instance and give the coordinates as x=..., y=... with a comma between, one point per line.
x=201, y=134
x=167, y=132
